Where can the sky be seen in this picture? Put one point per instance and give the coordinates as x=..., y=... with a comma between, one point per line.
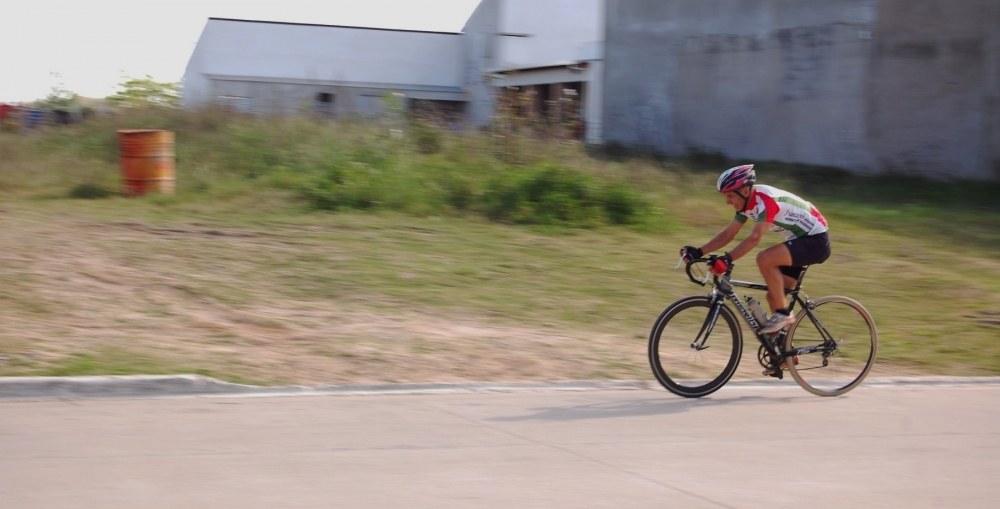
x=88, y=46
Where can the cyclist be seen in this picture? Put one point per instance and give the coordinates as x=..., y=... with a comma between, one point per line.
x=806, y=239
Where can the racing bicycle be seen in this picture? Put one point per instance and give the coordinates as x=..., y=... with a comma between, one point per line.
x=696, y=344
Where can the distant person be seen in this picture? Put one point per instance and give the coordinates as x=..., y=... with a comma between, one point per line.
x=806, y=239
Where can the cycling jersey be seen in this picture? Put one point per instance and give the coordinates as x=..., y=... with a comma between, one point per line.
x=790, y=215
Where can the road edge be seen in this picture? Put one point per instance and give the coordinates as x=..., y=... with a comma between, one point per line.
x=173, y=386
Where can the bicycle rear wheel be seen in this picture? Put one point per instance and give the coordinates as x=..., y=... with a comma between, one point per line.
x=680, y=367
x=843, y=340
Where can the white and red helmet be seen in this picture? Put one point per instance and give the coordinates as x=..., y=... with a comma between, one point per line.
x=735, y=178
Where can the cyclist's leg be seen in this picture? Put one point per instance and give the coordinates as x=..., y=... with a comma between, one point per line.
x=791, y=275
x=789, y=257
x=769, y=261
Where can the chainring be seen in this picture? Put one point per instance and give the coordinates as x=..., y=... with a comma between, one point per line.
x=763, y=356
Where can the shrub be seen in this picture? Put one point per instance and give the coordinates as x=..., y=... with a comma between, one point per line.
x=356, y=166
x=90, y=192
x=549, y=195
x=558, y=196
x=622, y=204
x=350, y=186
x=459, y=191
x=427, y=138
x=706, y=156
x=501, y=198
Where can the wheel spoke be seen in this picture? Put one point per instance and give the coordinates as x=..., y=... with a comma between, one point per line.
x=689, y=354
x=843, y=340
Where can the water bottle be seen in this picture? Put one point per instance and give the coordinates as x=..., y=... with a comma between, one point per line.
x=758, y=312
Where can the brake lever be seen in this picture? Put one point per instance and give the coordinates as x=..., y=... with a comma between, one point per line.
x=679, y=263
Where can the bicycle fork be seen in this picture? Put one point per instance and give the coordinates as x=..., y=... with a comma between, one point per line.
x=709, y=324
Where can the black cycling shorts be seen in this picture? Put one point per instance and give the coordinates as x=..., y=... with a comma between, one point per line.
x=808, y=250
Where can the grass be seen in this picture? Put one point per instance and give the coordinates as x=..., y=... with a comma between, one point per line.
x=117, y=361
x=240, y=275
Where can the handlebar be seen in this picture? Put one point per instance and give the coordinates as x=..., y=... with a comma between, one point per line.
x=708, y=273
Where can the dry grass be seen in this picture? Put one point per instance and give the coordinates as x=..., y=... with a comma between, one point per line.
x=238, y=279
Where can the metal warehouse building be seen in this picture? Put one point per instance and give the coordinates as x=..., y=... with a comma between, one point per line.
x=550, y=47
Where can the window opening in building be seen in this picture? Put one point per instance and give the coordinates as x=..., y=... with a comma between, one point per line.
x=556, y=108
x=235, y=104
x=324, y=104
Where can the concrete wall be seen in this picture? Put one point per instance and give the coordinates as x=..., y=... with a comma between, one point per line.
x=593, y=106
x=934, y=97
x=869, y=85
x=282, y=98
x=554, y=30
x=479, y=58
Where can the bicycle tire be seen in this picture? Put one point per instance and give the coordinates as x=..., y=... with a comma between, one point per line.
x=686, y=380
x=847, y=370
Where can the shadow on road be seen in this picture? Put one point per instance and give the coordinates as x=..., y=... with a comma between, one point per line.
x=636, y=407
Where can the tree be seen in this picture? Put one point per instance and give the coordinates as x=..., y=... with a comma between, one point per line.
x=146, y=92
x=59, y=98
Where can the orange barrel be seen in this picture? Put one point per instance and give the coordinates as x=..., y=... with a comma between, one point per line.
x=147, y=161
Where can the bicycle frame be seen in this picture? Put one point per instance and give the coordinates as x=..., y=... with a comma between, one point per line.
x=723, y=288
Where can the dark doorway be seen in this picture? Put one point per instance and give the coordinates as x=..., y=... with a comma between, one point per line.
x=324, y=104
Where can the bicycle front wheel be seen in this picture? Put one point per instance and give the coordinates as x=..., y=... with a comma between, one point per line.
x=837, y=343
x=687, y=358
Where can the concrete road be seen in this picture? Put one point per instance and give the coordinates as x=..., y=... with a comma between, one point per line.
x=909, y=447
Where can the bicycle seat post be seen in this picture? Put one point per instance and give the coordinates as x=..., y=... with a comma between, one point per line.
x=802, y=275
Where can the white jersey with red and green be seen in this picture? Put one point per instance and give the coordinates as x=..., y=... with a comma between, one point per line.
x=788, y=214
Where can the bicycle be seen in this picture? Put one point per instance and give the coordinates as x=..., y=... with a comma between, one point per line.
x=829, y=349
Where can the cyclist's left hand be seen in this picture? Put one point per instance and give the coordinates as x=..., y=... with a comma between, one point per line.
x=689, y=253
x=720, y=264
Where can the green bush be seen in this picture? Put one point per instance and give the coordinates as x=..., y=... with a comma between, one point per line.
x=549, y=195
x=542, y=194
x=557, y=196
x=427, y=138
x=622, y=204
x=501, y=198
x=458, y=188
x=345, y=186
x=90, y=192
x=344, y=165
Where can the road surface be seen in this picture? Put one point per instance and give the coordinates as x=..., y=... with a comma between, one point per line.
x=909, y=447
